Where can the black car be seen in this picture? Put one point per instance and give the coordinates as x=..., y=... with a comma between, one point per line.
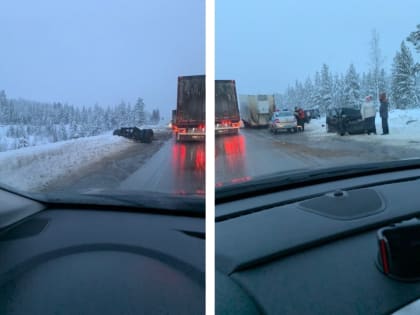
x=345, y=120
x=332, y=120
x=142, y=135
x=313, y=113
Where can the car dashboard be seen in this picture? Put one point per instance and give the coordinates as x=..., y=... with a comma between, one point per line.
x=73, y=260
x=313, y=249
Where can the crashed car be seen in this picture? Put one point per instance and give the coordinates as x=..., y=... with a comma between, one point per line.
x=332, y=120
x=345, y=120
x=134, y=133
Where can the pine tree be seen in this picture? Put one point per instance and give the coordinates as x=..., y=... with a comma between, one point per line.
x=338, y=91
x=352, y=88
x=308, y=93
x=139, y=114
x=367, y=85
x=3, y=107
x=316, y=96
x=403, y=79
x=376, y=65
x=414, y=38
x=326, y=88
x=383, y=81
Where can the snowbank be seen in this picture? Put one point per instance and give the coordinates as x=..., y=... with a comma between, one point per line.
x=404, y=129
x=32, y=168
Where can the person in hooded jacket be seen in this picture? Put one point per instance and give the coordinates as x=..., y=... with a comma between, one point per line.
x=383, y=111
x=368, y=112
x=299, y=113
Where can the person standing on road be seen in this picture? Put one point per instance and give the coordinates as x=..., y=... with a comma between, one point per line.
x=383, y=112
x=300, y=117
x=368, y=112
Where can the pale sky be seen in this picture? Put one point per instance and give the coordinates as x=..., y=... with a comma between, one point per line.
x=266, y=45
x=88, y=51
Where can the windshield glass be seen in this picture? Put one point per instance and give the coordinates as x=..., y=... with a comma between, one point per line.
x=347, y=71
x=89, y=92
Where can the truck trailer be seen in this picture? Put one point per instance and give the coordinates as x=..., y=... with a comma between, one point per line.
x=226, y=108
x=190, y=116
x=256, y=110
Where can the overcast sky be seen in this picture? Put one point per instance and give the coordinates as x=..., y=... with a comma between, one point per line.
x=105, y=51
x=267, y=44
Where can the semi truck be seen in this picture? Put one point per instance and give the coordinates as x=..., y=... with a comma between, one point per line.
x=256, y=110
x=226, y=109
x=190, y=116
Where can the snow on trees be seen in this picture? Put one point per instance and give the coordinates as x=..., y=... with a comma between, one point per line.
x=352, y=88
x=403, y=83
x=24, y=122
x=139, y=114
x=326, y=88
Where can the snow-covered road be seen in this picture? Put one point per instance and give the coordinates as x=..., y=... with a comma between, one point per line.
x=39, y=167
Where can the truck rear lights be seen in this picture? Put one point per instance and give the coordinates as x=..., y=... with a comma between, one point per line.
x=399, y=250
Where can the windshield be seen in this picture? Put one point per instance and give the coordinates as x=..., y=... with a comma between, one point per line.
x=347, y=71
x=89, y=92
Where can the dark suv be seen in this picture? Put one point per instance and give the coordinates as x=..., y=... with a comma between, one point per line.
x=345, y=120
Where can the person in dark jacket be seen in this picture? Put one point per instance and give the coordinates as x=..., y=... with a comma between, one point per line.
x=383, y=112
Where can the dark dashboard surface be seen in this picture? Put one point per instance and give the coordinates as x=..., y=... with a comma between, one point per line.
x=308, y=256
x=73, y=261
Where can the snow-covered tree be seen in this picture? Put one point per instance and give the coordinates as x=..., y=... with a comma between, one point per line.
x=383, y=81
x=155, y=116
x=414, y=38
x=338, y=91
x=403, y=83
x=139, y=114
x=308, y=89
x=352, y=88
x=316, y=95
x=3, y=107
x=376, y=62
x=326, y=88
x=367, y=85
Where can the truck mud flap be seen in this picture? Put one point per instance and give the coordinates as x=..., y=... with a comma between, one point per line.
x=228, y=131
x=180, y=137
